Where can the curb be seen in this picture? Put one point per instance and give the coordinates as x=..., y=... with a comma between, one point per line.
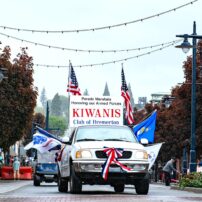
x=189, y=189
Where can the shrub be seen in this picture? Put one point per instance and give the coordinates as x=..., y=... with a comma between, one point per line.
x=191, y=180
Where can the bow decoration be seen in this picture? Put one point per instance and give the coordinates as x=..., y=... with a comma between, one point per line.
x=112, y=157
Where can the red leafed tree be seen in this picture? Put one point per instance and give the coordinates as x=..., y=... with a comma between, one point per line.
x=17, y=97
x=174, y=124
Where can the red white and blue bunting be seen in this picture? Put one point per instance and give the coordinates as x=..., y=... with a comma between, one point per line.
x=112, y=157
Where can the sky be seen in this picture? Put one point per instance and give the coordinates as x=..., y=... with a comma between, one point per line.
x=152, y=73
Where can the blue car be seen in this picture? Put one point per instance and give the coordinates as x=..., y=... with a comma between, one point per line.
x=45, y=172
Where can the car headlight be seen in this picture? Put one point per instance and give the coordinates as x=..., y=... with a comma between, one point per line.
x=83, y=154
x=141, y=155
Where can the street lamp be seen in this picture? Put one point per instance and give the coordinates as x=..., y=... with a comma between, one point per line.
x=185, y=47
x=1, y=75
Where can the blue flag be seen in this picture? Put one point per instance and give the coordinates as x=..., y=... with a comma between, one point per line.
x=146, y=128
x=47, y=134
x=44, y=141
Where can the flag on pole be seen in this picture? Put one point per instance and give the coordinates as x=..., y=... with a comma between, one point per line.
x=146, y=128
x=125, y=94
x=44, y=141
x=73, y=86
x=153, y=151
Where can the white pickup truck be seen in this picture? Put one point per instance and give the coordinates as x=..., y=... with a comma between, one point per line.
x=104, y=155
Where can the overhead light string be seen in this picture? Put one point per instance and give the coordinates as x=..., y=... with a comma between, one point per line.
x=109, y=62
x=89, y=51
x=99, y=28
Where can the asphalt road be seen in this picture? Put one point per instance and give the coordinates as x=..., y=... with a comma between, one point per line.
x=49, y=192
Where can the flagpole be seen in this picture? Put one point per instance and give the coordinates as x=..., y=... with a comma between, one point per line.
x=124, y=108
x=69, y=80
x=69, y=76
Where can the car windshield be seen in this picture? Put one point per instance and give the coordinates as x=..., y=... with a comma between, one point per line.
x=105, y=134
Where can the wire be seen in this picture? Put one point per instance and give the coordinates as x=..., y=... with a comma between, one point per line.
x=99, y=28
x=89, y=51
x=109, y=62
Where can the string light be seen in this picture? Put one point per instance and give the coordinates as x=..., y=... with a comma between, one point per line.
x=99, y=28
x=109, y=62
x=89, y=51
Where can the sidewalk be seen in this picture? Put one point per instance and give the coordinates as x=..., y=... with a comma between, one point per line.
x=175, y=186
x=11, y=185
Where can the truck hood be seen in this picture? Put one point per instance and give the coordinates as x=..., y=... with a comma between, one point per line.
x=110, y=144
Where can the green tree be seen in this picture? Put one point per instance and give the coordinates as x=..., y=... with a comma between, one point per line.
x=43, y=98
x=56, y=106
x=85, y=93
x=56, y=122
x=17, y=97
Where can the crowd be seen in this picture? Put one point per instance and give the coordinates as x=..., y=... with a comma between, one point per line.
x=15, y=163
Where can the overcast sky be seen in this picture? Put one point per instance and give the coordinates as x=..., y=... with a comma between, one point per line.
x=153, y=73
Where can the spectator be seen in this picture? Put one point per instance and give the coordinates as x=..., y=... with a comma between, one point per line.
x=16, y=168
x=168, y=169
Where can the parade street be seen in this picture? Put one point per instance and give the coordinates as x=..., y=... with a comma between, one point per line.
x=25, y=191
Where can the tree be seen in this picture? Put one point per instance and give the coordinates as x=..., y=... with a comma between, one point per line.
x=86, y=93
x=17, y=97
x=56, y=106
x=174, y=123
x=43, y=98
x=38, y=120
x=60, y=123
x=64, y=106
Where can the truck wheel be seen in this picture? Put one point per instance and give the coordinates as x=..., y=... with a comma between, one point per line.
x=37, y=180
x=62, y=184
x=119, y=188
x=75, y=184
x=142, y=187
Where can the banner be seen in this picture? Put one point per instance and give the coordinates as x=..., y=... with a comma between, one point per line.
x=153, y=151
x=89, y=110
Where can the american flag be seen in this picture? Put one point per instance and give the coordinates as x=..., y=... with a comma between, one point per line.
x=73, y=86
x=126, y=96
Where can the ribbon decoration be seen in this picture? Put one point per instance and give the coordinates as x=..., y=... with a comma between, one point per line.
x=112, y=155
x=59, y=155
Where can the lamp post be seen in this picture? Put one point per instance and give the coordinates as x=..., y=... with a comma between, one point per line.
x=2, y=76
x=185, y=47
x=3, y=73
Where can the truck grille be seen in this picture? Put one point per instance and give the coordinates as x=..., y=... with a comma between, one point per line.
x=102, y=155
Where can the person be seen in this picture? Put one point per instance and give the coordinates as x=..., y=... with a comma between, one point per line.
x=16, y=168
x=168, y=169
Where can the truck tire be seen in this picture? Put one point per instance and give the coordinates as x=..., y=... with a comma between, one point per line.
x=119, y=188
x=62, y=184
x=142, y=187
x=37, y=180
x=75, y=184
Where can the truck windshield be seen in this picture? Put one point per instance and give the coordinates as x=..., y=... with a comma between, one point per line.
x=105, y=134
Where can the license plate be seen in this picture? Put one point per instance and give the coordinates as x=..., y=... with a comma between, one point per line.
x=48, y=176
x=114, y=169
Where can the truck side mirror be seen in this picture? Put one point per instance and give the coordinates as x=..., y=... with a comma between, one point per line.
x=65, y=140
x=144, y=141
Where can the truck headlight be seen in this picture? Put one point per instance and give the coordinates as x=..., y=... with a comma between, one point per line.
x=141, y=155
x=83, y=154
